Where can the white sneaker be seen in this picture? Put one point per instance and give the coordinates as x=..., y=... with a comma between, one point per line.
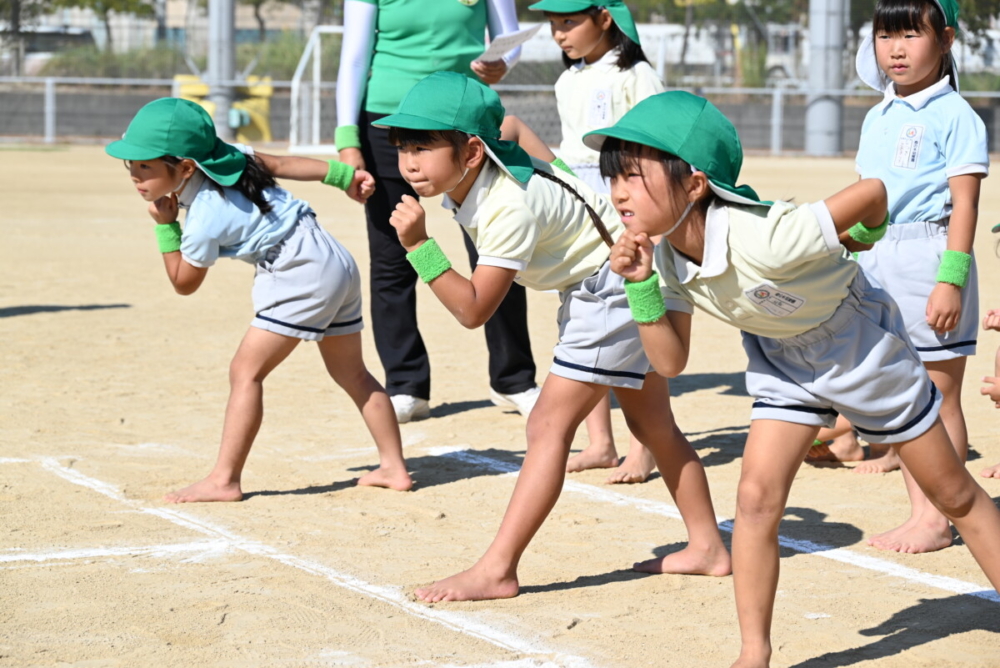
x=409, y=407
x=522, y=402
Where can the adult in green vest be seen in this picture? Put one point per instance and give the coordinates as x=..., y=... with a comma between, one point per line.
x=389, y=45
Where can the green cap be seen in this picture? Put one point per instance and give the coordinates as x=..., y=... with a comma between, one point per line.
x=453, y=101
x=867, y=65
x=179, y=128
x=618, y=10
x=691, y=128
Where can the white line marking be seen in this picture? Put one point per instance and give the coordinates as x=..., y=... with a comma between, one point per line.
x=945, y=583
x=393, y=596
x=217, y=546
x=13, y=460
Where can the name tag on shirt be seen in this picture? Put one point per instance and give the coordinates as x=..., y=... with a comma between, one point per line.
x=911, y=137
x=599, y=111
x=776, y=302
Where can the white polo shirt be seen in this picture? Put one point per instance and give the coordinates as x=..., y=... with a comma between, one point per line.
x=775, y=271
x=596, y=96
x=537, y=228
x=914, y=144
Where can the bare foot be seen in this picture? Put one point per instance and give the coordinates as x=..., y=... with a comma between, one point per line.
x=844, y=448
x=753, y=660
x=914, y=537
x=592, y=457
x=470, y=585
x=887, y=462
x=991, y=472
x=689, y=562
x=206, y=490
x=389, y=477
x=636, y=467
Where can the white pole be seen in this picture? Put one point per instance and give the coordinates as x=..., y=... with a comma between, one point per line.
x=50, y=110
x=221, y=62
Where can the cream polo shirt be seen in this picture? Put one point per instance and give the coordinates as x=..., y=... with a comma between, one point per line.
x=773, y=271
x=537, y=228
x=596, y=96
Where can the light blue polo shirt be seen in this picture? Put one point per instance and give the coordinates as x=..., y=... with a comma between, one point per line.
x=222, y=222
x=915, y=144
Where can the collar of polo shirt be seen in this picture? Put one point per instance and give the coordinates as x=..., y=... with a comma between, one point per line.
x=467, y=214
x=191, y=189
x=715, y=260
x=918, y=100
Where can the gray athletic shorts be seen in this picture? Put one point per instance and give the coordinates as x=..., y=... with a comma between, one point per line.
x=598, y=339
x=859, y=363
x=308, y=286
x=905, y=263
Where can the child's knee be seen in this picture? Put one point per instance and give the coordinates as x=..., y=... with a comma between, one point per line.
x=953, y=496
x=760, y=503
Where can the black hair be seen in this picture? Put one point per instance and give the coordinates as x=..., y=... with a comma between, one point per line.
x=620, y=157
x=252, y=183
x=629, y=53
x=897, y=16
x=602, y=229
x=407, y=138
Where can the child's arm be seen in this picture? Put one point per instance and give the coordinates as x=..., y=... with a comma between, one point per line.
x=186, y=278
x=864, y=201
x=667, y=340
x=358, y=184
x=992, y=389
x=472, y=302
x=944, y=306
x=515, y=130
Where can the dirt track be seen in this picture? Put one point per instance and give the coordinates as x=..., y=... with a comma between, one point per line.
x=112, y=390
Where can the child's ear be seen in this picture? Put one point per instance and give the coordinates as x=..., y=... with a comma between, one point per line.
x=949, y=40
x=604, y=20
x=187, y=168
x=475, y=153
x=697, y=187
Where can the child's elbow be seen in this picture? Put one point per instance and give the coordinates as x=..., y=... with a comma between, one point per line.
x=670, y=366
x=471, y=320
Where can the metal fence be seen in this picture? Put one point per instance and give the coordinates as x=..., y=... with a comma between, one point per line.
x=769, y=120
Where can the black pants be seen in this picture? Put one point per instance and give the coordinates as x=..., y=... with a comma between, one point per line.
x=393, y=291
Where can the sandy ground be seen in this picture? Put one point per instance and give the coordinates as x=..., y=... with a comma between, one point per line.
x=112, y=390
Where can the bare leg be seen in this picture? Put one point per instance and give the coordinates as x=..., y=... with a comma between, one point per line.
x=601, y=453
x=259, y=353
x=934, y=464
x=650, y=419
x=927, y=530
x=344, y=362
x=773, y=454
x=562, y=406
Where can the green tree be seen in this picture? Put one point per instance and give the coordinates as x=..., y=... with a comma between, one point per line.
x=18, y=13
x=105, y=8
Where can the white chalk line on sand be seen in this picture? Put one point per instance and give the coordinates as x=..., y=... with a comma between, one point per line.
x=952, y=585
x=204, y=546
x=393, y=596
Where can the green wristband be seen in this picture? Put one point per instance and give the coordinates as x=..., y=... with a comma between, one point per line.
x=869, y=235
x=645, y=300
x=347, y=136
x=168, y=236
x=339, y=175
x=954, y=268
x=429, y=261
x=558, y=162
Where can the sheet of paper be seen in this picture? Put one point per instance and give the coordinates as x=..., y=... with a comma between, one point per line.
x=504, y=44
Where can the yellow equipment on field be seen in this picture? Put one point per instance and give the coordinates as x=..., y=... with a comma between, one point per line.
x=250, y=115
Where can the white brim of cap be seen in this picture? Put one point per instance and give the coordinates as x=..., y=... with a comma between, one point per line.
x=730, y=196
x=871, y=74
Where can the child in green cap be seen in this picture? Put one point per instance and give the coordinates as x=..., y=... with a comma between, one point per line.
x=548, y=232
x=606, y=74
x=820, y=339
x=306, y=286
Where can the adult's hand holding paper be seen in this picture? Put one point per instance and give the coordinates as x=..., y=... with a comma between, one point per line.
x=504, y=44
